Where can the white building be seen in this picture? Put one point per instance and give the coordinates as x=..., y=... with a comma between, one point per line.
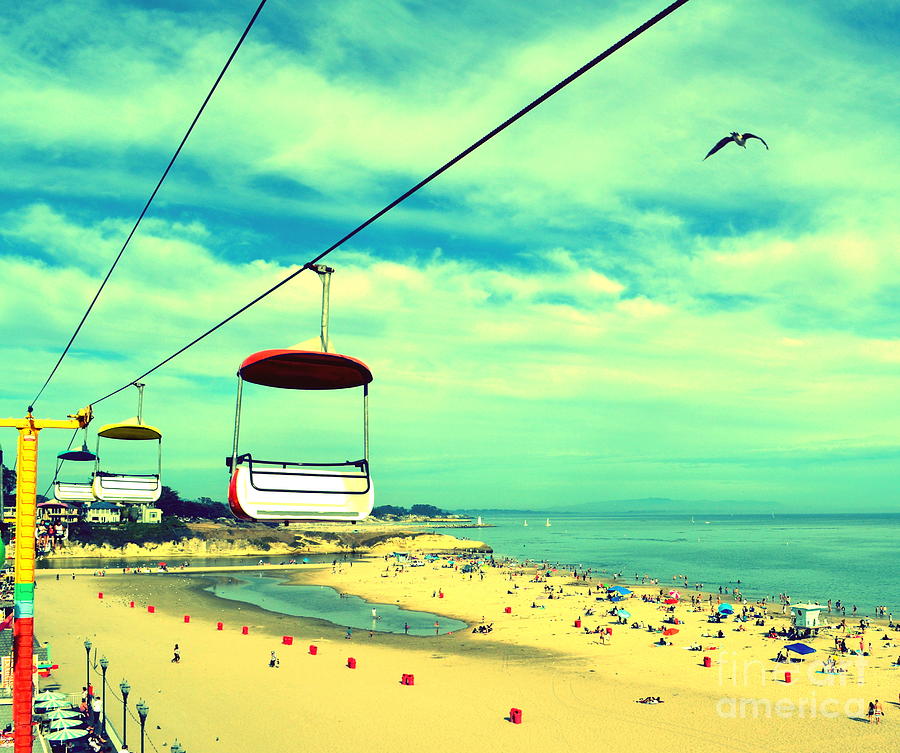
x=806, y=615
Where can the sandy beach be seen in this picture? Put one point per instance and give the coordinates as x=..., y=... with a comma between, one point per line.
x=575, y=692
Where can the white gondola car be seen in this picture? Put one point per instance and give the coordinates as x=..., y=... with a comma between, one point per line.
x=129, y=487
x=271, y=490
x=74, y=491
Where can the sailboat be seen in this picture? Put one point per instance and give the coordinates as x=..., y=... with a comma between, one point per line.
x=692, y=518
x=479, y=523
x=547, y=524
x=526, y=523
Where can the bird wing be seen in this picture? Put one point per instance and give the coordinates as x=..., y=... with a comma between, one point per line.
x=754, y=136
x=719, y=146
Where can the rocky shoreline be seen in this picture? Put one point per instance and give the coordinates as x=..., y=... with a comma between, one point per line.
x=255, y=543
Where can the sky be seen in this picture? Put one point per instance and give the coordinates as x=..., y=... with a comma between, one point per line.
x=582, y=311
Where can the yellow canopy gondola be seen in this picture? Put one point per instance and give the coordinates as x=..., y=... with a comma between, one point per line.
x=129, y=487
x=130, y=429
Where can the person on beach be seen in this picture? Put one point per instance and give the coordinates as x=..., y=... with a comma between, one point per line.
x=877, y=711
x=349, y=634
x=273, y=661
x=406, y=628
x=176, y=654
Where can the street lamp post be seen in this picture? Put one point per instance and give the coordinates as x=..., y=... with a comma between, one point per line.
x=104, y=664
x=87, y=670
x=126, y=689
x=142, y=709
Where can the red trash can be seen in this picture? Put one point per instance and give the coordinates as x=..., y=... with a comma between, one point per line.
x=131, y=604
x=313, y=650
x=245, y=630
x=351, y=662
x=707, y=661
x=515, y=716
x=151, y=609
x=187, y=618
x=100, y=595
x=578, y=623
x=507, y=610
x=787, y=677
x=219, y=626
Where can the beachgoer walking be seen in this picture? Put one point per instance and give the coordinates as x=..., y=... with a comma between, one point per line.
x=349, y=634
x=437, y=627
x=878, y=711
x=406, y=628
x=176, y=654
x=273, y=660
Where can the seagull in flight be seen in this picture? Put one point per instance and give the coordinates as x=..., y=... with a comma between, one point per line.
x=737, y=138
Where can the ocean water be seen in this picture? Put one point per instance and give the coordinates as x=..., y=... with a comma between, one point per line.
x=855, y=558
x=271, y=592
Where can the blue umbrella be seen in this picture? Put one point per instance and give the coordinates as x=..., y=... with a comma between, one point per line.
x=726, y=608
x=800, y=648
x=615, y=598
x=620, y=589
x=623, y=613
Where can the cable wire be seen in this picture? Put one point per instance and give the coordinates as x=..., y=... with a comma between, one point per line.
x=446, y=166
x=147, y=205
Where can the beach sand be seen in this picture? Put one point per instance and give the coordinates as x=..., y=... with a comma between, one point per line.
x=575, y=693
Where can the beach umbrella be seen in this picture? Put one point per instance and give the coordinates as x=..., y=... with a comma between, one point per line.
x=67, y=734
x=62, y=714
x=670, y=631
x=54, y=704
x=50, y=695
x=726, y=608
x=620, y=590
x=623, y=613
x=674, y=594
x=615, y=598
x=64, y=723
x=800, y=648
x=670, y=601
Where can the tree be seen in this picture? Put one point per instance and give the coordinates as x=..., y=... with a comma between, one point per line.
x=427, y=511
x=8, y=479
x=384, y=511
x=171, y=503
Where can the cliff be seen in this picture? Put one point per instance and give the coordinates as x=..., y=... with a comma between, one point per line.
x=223, y=540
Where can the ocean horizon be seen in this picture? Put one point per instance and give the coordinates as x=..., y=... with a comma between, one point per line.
x=810, y=557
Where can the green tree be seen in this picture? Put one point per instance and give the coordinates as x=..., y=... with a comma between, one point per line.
x=384, y=511
x=8, y=479
x=427, y=511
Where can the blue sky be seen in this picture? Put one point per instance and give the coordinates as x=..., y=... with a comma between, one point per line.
x=582, y=310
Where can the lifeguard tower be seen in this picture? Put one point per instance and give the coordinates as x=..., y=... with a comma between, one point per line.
x=806, y=617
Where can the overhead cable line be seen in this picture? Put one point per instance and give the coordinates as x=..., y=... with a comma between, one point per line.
x=446, y=166
x=147, y=205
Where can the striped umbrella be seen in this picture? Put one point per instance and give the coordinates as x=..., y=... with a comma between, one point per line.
x=50, y=695
x=54, y=704
x=64, y=723
x=62, y=714
x=67, y=734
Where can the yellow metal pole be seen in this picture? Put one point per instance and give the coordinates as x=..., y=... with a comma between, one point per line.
x=23, y=627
